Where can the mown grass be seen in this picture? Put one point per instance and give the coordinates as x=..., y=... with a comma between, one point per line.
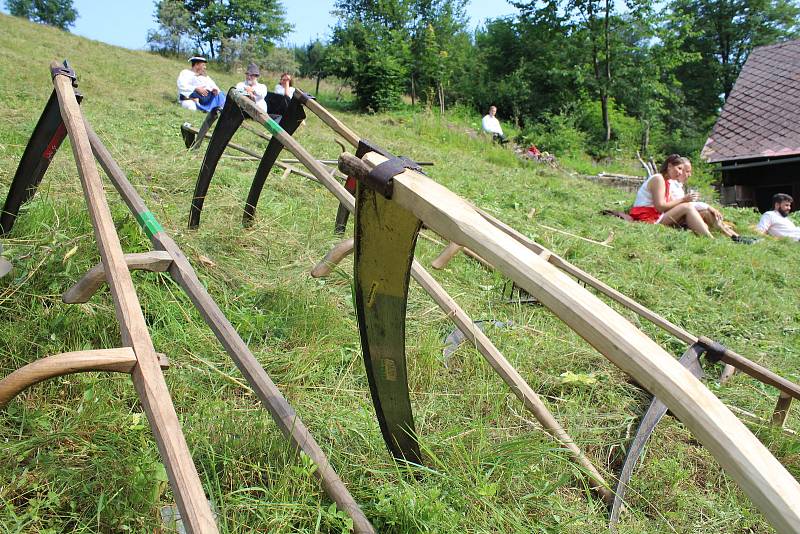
x=77, y=455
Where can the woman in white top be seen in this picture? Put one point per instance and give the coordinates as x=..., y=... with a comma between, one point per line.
x=711, y=216
x=285, y=86
x=654, y=205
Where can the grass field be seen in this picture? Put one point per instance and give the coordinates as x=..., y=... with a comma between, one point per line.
x=77, y=455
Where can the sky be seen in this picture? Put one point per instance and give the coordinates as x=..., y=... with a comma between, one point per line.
x=125, y=23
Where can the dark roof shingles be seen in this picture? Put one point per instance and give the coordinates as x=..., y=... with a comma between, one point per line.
x=762, y=114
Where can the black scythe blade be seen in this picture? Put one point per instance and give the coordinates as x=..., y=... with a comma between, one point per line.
x=290, y=121
x=42, y=146
x=385, y=237
x=211, y=117
x=229, y=121
x=654, y=413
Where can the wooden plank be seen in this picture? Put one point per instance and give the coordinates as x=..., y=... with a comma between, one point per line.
x=730, y=358
x=281, y=411
x=147, y=376
x=82, y=291
x=781, y=409
x=773, y=490
x=335, y=124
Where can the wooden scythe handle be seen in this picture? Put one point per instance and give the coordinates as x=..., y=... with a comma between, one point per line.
x=121, y=360
x=332, y=258
x=82, y=291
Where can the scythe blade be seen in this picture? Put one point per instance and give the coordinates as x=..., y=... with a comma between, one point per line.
x=654, y=413
x=385, y=238
x=229, y=121
x=42, y=147
x=290, y=121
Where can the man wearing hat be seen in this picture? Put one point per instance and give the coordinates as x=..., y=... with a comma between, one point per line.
x=256, y=91
x=196, y=90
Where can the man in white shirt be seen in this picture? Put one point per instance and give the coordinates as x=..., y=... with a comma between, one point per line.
x=777, y=222
x=196, y=90
x=491, y=125
x=255, y=91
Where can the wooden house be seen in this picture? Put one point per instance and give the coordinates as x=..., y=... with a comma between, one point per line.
x=756, y=140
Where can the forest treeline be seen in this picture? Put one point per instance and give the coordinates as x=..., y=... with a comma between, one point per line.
x=594, y=76
x=575, y=75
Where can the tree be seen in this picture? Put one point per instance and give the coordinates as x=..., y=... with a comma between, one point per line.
x=175, y=34
x=213, y=25
x=417, y=40
x=723, y=33
x=58, y=13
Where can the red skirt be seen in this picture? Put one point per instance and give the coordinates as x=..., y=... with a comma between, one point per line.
x=647, y=214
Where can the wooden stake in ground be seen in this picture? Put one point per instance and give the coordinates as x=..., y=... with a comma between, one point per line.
x=772, y=489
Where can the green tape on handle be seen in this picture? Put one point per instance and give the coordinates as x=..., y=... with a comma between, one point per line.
x=149, y=223
x=273, y=127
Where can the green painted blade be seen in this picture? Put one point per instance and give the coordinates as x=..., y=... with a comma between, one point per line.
x=385, y=237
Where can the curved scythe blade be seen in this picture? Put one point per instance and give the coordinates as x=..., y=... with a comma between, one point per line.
x=47, y=136
x=211, y=117
x=229, y=121
x=385, y=237
x=654, y=413
x=290, y=121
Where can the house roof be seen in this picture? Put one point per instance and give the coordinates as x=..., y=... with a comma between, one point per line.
x=761, y=117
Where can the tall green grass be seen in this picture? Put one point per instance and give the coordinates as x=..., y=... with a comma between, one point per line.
x=76, y=453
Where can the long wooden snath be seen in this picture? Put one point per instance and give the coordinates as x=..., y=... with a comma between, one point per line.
x=770, y=486
x=138, y=356
x=147, y=376
x=520, y=388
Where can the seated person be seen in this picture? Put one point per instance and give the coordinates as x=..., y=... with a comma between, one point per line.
x=255, y=91
x=491, y=125
x=712, y=217
x=196, y=90
x=777, y=222
x=285, y=86
x=654, y=205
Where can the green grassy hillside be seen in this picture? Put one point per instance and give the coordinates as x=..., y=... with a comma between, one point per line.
x=77, y=455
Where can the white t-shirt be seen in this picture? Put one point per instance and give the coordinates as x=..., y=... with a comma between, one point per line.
x=259, y=93
x=775, y=224
x=491, y=125
x=188, y=80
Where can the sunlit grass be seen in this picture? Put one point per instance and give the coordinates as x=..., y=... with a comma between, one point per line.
x=77, y=455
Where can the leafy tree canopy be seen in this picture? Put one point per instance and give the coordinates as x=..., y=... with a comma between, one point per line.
x=219, y=28
x=58, y=13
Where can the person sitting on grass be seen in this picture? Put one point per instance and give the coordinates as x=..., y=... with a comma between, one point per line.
x=776, y=222
x=196, y=90
x=255, y=91
x=491, y=125
x=711, y=216
x=653, y=203
x=285, y=87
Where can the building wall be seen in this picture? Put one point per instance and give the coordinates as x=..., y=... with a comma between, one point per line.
x=754, y=186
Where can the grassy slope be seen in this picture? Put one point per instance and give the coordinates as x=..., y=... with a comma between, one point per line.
x=76, y=454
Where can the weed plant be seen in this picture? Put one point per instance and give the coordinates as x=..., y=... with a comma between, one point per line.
x=77, y=455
